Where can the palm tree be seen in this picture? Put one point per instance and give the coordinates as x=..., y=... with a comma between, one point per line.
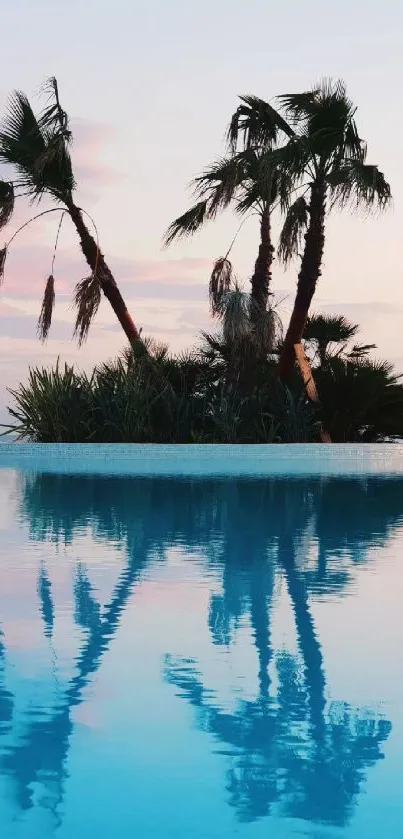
x=321, y=331
x=327, y=158
x=37, y=149
x=362, y=398
x=246, y=180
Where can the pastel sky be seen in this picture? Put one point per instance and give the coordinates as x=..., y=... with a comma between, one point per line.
x=150, y=87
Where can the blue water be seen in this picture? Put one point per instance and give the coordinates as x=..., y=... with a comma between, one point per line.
x=200, y=658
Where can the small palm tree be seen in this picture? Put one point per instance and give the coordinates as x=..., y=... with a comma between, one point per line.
x=37, y=149
x=247, y=180
x=362, y=400
x=327, y=158
x=323, y=330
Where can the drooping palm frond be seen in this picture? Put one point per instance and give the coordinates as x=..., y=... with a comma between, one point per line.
x=220, y=282
x=294, y=227
x=6, y=202
x=267, y=331
x=87, y=298
x=3, y=255
x=220, y=181
x=258, y=123
x=354, y=147
x=188, y=223
x=234, y=311
x=359, y=183
x=48, y=302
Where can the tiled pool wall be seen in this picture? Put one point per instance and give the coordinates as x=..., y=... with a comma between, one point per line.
x=205, y=460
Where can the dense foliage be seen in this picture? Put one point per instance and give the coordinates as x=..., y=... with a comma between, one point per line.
x=217, y=394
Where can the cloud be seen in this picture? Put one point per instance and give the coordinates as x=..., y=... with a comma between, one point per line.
x=90, y=140
x=28, y=267
x=362, y=308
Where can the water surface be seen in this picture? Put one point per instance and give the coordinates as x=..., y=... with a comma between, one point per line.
x=200, y=658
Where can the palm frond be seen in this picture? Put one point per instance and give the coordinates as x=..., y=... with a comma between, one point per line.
x=293, y=158
x=359, y=183
x=250, y=198
x=258, y=123
x=360, y=350
x=298, y=106
x=87, y=297
x=334, y=329
x=188, y=223
x=220, y=283
x=48, y=302
x=6, y=202
x=3, y=255
x=325, y=115
x=38, y=154
x=294, y=227
x=21, y=140
x=353, y=146
x=219, y=183
x=54, y=118
x=267, y=331
x=234, y=311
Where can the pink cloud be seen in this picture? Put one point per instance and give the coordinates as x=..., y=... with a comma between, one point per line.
x=90, y=140
x=27, y=269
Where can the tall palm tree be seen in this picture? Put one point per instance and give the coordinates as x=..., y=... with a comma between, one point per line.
x=37, y=149
x=246, y=180
x=327, y=158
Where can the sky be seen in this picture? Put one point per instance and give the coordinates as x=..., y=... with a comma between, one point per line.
x=150, y=87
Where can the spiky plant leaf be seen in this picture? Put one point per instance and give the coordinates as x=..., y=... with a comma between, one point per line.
x=87, y=298
x=294, y=227
x=48, y=302
x=220, y=283
x=6, y=202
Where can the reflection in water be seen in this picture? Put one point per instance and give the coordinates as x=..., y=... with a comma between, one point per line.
x=6, y=700
x=288, y=747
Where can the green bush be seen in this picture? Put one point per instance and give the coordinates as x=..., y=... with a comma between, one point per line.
x=157, y=399
x=220, y=394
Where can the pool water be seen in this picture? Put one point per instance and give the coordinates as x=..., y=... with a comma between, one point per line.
x=200, y=658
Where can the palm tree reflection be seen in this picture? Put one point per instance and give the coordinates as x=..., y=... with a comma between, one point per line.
x=288, y=749
x=6, y=699
x=284, y=745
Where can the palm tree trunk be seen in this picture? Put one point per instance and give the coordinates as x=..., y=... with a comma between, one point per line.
x=307, y=641
x=97, y=263
x=261, y=278
x=307, y=278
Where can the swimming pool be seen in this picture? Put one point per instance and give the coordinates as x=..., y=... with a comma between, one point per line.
x=195, y=652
